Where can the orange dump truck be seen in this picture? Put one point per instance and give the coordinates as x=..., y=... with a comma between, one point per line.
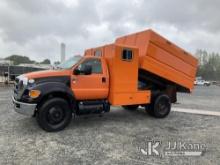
x=141, y=69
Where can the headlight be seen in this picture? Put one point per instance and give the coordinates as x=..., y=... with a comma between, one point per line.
x=31, y=81
x=25, y=80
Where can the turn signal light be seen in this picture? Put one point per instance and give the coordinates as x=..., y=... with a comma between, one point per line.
x=34, y=93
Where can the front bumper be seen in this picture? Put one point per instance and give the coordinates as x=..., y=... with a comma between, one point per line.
x=24, y=108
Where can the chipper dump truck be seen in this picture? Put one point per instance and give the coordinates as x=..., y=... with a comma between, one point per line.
x=140, y=69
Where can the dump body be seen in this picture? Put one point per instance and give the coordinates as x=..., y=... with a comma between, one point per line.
x=160, y=57
x=163, y=58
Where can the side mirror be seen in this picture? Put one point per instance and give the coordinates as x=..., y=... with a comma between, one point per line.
x=87, y=70
x=76, y=71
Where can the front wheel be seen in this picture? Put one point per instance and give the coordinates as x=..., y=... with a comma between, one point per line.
x=54, y=115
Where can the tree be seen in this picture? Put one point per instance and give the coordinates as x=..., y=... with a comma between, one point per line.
x=46, y=61
x=17, y=59
x=209, y=65
x=56, y=62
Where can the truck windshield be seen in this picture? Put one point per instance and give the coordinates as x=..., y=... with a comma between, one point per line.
x=69, y=63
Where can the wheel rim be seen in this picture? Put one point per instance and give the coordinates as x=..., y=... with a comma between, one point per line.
x=55, y=115
x=163, y=106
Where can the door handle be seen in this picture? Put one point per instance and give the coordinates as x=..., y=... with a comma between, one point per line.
x=103, y=80
x=74, y=79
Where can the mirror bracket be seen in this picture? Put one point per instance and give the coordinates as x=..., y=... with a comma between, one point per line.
x=76, y=71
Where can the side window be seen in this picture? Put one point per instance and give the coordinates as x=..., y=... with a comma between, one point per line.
x=127, y=54
x=98, y=53
x=95, y=63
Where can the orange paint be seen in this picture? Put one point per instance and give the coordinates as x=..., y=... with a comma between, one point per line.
x=48, y=73
x=118, y=82
x=91, y=87
x=163, y=58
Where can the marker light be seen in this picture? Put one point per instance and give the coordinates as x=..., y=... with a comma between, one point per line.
x=34, y=93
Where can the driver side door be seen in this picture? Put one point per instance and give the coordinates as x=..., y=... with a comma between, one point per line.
x=92, y=86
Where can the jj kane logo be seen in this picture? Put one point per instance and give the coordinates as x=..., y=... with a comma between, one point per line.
x=151, y=148
x=172, y=148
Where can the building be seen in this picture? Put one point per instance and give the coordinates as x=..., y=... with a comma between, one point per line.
x=40, y=66
x=5, y=62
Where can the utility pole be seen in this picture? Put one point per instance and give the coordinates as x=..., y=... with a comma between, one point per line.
x=63, y=52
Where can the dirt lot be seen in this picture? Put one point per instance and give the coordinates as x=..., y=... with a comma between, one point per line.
x=115, y=138
x=203, y=98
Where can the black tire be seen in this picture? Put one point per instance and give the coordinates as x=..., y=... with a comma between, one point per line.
x=130, y=107
x=149, y=108
x=54, y=115
x=160, y=106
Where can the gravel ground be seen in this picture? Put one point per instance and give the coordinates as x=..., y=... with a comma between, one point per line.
x=202, y=97
x=115, y=138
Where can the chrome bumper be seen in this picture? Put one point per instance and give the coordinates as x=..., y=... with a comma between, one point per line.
x=24, y=108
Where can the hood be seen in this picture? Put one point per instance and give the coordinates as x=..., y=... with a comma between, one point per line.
x=47, y=73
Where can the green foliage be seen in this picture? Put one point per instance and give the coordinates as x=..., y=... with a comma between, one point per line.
x=209, y=65
x=56, y=62
x=46, y=61
x=19, y=59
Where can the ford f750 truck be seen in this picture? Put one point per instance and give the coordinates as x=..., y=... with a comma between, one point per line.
x=140, y=69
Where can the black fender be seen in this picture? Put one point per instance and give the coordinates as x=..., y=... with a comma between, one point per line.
x=54, y=88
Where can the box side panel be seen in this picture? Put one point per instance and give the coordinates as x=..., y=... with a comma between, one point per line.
x=123, y=74
x=139, y=40
x=139, y=97
x=160, y=69
x=124, y=79
x=171, y=60
x=173, y=49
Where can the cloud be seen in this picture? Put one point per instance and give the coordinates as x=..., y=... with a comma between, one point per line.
x=36, y=28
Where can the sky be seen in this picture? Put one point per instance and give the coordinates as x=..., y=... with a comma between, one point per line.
x=35, y=28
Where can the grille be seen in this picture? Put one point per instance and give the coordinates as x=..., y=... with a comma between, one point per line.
x=18, y=88
x=18, y=84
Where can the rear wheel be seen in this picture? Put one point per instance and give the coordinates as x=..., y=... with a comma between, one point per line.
x=130, y=107
x=160, y=106
x=54, y=115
